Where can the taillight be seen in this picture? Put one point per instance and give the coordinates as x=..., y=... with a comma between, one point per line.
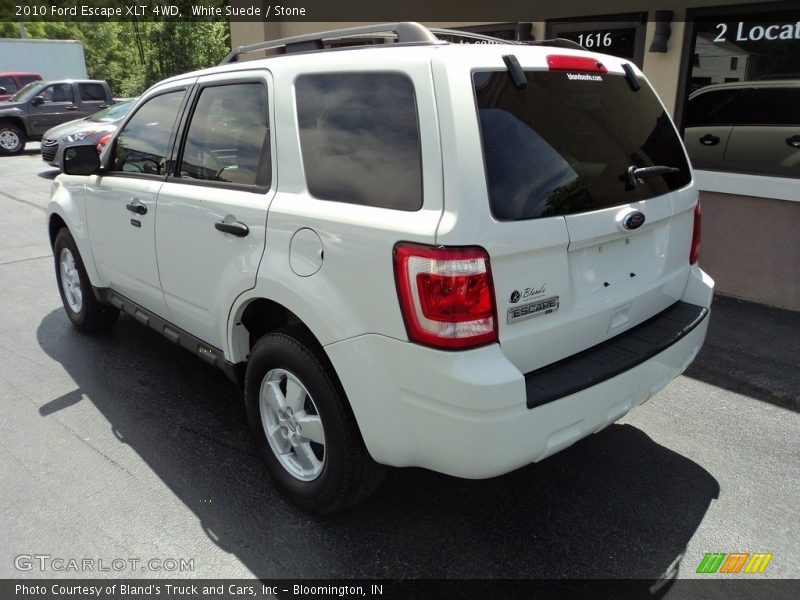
x=558, y=62
x=694, y=253
x=446, y=295
x=103, y=142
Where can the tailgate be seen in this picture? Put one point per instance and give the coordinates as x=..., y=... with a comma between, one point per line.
x=591, y=195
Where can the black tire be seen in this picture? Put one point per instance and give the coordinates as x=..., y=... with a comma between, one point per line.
x=12, y=139
x=348, y=473
x=92, y=315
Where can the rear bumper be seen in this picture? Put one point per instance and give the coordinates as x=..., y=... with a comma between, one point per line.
x=466, y=414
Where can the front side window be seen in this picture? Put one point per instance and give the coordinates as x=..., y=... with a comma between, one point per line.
x=143, y=145
x=564, y=143
x=359, y=138
x=59, y=92
x=228, y=136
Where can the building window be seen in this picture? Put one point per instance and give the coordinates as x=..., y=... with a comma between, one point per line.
x=752, y=56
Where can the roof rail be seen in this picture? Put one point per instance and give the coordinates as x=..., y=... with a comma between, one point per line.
x=556, y=43
x=405, y=33
x=468, y=35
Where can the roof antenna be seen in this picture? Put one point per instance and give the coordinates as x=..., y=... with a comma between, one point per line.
x=515, y=70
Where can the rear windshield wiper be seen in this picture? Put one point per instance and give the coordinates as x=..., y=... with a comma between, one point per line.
x=637, y=175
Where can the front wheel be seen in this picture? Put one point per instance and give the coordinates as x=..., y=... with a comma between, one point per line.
x=12, y=140
x=83, y=309
x=304, y=427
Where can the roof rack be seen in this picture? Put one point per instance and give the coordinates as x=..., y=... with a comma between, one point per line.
x=405, y=33
x=556, y=43
x=468, y=35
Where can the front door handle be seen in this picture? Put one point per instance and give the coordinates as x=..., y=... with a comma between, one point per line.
x=793, y=141
x=709, y=140
x=236, y=228
x=71, y=107
x=136, y=206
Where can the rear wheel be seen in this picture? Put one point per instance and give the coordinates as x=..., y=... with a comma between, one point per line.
x=83, y=309
x=304, y=427
x=12, y=140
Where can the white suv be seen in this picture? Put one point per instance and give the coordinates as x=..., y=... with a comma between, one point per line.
x=451, y=256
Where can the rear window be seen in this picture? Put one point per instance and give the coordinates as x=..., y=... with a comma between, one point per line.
x=563, y=144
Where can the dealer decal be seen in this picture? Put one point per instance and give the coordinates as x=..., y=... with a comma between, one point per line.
x=532, y=309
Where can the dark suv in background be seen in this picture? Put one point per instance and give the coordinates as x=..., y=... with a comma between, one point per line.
x=42, y=105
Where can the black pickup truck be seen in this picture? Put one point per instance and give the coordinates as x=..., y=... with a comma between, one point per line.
x=41, y=105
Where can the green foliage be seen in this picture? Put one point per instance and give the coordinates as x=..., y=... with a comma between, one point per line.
x=133, y=55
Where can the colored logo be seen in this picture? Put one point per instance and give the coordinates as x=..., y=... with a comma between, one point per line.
x=734, y=562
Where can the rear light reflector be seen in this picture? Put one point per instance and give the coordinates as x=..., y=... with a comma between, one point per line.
x=558, y=62
x=446, y=295
x=103, y=142
x=694, y=253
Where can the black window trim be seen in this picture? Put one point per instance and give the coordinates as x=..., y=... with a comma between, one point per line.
x=370, y=71
x=107, y=172
x=183, y=132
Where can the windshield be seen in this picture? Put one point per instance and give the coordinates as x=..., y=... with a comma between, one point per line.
x=112, y=113
x=564, y=143
x=27, y=92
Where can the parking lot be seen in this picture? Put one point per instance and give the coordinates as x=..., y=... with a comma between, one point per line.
x=124, y=446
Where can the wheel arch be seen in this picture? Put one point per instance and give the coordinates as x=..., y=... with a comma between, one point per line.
x=258, y=316
x=65, y=211
x=16, y=121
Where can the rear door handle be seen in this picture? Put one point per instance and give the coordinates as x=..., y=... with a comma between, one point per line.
x=136, y=206
x=709, y=140
x=793, y=141
x=71, y=107
x=238, y=229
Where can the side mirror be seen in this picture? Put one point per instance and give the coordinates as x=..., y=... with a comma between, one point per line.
x=37, y=100
x=3, y=91
x=81, y=160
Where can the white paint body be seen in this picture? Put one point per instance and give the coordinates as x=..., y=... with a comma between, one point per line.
x=458, y=412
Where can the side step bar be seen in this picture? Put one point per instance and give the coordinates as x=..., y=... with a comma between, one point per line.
x=612, y=357
x=176, y=335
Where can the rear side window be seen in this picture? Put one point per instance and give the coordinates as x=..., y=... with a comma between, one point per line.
x=359, y=138
x=774, y=106
x=91, y=91
x=143, y=145
x=563, y=144
x=719, y=107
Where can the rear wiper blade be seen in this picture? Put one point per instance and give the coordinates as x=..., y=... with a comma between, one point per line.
x=637, y=175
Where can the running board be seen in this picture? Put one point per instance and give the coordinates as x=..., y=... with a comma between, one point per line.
x=206, y=352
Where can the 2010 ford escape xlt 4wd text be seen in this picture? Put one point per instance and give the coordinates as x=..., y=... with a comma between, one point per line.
x=413, y=253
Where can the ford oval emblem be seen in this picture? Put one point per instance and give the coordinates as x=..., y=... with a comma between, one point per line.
x=633, y=220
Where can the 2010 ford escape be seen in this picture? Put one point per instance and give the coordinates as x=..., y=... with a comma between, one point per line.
x=458, y=257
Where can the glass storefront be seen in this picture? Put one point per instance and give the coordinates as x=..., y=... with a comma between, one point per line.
x=742, y=93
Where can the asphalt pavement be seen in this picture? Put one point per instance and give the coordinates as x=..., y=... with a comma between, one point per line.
x=123, y=446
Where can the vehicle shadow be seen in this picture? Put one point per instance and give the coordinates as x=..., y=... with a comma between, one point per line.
x=752, y=349
x=52, y=174
x=615, y=505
